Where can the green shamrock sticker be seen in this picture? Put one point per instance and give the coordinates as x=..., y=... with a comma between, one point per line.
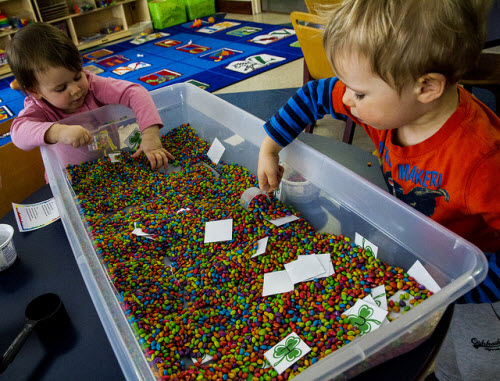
x=133, y=141
x=288, y=351
x=362, y=320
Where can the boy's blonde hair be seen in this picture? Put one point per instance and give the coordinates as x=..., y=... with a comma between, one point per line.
x=405, y=39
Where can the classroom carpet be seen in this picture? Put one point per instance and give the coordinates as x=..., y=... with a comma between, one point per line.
x=211, y=56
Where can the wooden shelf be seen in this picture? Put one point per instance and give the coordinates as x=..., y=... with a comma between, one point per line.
x=79, y=24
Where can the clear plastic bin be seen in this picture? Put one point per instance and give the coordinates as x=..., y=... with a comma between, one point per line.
x=342, y=203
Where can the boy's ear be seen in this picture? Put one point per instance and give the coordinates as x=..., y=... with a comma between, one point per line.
x=430, y=87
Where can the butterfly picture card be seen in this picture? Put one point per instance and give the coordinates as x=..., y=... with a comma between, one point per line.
x=365, y=316
x=287, y=352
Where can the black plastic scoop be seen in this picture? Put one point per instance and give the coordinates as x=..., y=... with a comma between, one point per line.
x=47, y=315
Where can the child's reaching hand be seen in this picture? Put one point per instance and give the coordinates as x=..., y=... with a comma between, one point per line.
x=72, y=135
x=151, y=146
x=269, y=171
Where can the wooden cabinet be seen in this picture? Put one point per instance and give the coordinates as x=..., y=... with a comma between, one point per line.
x=87, y=22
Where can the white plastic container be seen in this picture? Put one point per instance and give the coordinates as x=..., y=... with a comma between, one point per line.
x=8, y=252
x=343, y=203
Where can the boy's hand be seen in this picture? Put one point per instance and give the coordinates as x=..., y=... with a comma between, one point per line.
x=269, y=171
x=151, y=146
x=72, y=135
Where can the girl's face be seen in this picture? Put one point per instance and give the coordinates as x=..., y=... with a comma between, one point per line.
x=62, y=88
x=371, y=99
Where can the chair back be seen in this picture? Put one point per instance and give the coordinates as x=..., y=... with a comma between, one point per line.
x=316, y=6
x=311, y=43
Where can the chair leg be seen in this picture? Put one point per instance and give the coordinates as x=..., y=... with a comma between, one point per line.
x=306, y=75
x=350, y=126
x=310, y=128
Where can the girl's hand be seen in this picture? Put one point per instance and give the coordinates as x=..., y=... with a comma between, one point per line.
x=269, y=171
x=151, y=146
x=72, y=135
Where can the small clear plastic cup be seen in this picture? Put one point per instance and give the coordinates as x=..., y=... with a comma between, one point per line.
x=248, y=195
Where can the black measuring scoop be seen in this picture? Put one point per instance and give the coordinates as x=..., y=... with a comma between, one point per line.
x=46, y=315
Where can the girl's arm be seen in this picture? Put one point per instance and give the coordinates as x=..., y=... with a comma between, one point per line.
x=133, y=95
x=28, y=129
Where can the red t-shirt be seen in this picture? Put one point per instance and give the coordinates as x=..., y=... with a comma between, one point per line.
x=453, y=176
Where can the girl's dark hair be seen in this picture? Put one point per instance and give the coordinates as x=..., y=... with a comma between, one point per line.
x=38, y=47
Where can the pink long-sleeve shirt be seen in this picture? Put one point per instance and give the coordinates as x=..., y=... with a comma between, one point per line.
x=29, y=127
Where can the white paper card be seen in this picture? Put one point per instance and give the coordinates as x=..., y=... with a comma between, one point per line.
x=35, y=216
x=234, y=140
x=304, y=268
x=261, y=246
x=139, y=232
x=277, y=282
x=326, y=262
x=422, y=276
x=283, y=220
x=368, y=298
x=204, y=359
x=219, y=231
x=287, y=352
x=396, y=298
x=114, y=157
x=365, y=244
x=216, y=151
x=379, y=296
x=182, y=210
x=365, y=316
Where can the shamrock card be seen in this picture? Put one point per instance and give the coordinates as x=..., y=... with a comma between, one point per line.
x=379, y=296
x=369, y=247
x=287, y=352
x=365, y=316
x=133, y=141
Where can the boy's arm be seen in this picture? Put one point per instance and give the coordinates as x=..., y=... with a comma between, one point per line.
x=310, y=103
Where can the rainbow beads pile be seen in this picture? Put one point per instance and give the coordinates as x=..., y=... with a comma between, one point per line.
x=186, y=299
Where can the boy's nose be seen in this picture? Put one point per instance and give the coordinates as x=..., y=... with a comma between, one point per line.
x=347, y=99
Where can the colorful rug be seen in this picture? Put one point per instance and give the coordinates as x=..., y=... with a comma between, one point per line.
x=211, y=56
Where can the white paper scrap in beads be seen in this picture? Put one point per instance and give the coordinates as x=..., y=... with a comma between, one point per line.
x=396, y=298
x=216, y=151
x=283, y=220
x=277, y=282
x=138, y=232
x=422, y=276
x=261, y=246
x=365, y=316
x=365, y=244
x=379, y=296
x=326, y=262
x=287, y=352
x=204, y=359
x=219, y=231
x=304, y=268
